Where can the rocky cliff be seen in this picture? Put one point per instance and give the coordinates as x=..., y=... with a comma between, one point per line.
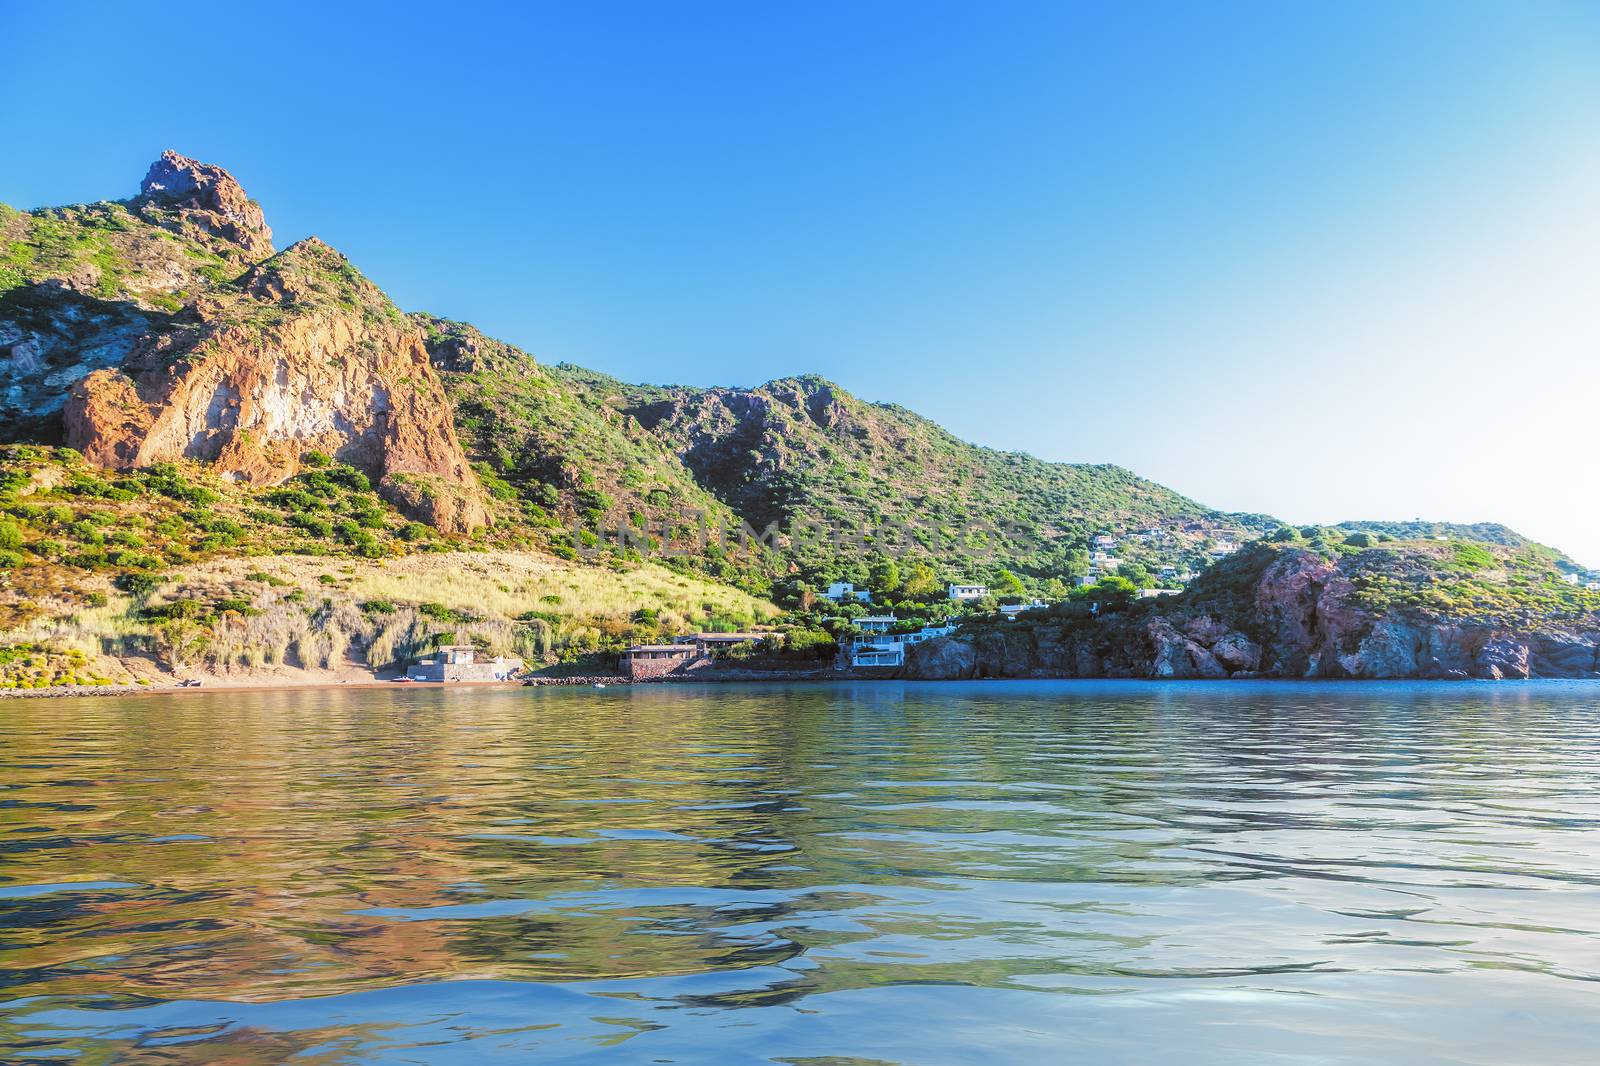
x=205, y=198
x=302, y=355
x=1295, y=613
x=165, y=328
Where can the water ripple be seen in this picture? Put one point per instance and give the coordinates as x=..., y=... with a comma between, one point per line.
x=997, y=872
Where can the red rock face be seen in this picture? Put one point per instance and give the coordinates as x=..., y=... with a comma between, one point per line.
x=207, y=197
x=284, y=367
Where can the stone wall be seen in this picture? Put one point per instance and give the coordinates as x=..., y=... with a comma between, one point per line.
x=644, y=669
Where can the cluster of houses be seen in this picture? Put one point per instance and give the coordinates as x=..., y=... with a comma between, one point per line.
x=845, y=592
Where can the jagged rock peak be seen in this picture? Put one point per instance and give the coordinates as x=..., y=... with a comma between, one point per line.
x=208, y=196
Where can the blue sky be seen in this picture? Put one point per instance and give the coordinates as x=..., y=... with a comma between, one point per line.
x=1321, y=260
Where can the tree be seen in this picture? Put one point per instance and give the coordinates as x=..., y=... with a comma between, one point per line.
x=1008, y=584
x=1137, y=574
x=884, y=577
x=178, y=640
x=922, y=583
x=1112, y=593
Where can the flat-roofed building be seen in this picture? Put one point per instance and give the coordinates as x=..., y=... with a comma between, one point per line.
x=659, y=660
x=460, y=662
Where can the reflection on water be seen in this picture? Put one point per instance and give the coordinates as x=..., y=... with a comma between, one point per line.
x=938, y=873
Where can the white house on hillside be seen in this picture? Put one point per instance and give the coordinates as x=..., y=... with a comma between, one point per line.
x=844, y=590
x=889, y=649
x=876, y=623
x=926, y=633
x=968, y=592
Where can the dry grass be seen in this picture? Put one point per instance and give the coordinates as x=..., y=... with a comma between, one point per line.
x=498, y=585
x=320, y=613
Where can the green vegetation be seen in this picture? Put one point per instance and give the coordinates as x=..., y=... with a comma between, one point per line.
x=32, y=666
x=726, y=498
x=69, y=531
x=1470, y=582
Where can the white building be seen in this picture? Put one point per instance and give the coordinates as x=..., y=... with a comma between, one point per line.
x=876, y=623
x=927, y=633
x=968, y=592
x=888, y=649
x=1105, y=540
x=1011, y=610
x=840, y=591
x=1571, y=579
x=878, y=651
x=460, y=662
x=1224, y=549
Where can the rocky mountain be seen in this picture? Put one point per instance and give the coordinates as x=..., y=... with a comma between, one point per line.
x=1403, y=610
x=219, y=399
x=165, y=328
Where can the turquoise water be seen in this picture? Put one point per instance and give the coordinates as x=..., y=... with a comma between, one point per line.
x=872, y=873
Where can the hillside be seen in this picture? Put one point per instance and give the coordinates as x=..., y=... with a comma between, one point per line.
x=183, y=397
x=166, y=327
x=112, y=575
x=1323, y=608
x=1479, y=532
x=571, y=468
x=855, y=483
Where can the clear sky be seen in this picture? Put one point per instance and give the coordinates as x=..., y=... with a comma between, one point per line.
x=1323, y=260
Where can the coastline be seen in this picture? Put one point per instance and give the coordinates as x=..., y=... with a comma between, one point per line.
x=739, y=677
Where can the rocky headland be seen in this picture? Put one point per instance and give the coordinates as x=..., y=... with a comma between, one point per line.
x=1290, y=612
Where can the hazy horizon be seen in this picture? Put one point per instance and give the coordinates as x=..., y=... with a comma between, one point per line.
x=1327, y=265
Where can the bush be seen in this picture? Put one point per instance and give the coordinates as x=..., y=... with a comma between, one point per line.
x=10, y=535
x=166, y=612
x=440, y=613
x=351, y=478
x=315, y=525
x=139, y=585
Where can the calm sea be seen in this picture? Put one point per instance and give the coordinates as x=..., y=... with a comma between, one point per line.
x=986, y=873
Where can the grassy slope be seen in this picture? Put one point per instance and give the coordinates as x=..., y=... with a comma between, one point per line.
x=564, y=464
x=93, y=561
x=803, y=449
